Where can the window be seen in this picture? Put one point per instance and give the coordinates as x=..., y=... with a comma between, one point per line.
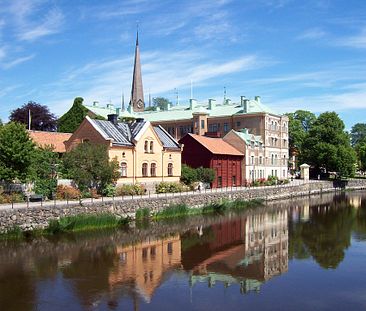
x=226, y=127
x=170, y=248
x=85, y=140
x=146, y=146
x=151, y=147
x=202, y=124
x=153, y=169
x=252, y=160
x=170, y=169
x=234, y=180
x=238, y=123
x=272, y=160
x=144, y=169
x=219, y=181
x=214, y=127
x=123, y=169
x=260, y=160
x=123, y=154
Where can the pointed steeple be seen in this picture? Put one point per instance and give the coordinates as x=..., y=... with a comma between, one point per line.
x=137, y=92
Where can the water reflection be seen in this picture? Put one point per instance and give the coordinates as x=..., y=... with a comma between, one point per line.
x=107, y=269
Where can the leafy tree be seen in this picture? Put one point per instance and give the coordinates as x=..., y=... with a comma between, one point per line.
x=89, y=166
x=41, y=118
x=327, y=146
x=71, y=120
x=300, y=123
x=45, y=165
x=1, y=123
x=358, y=133
x=361, y=153
x=16, y=152
x=205, y=175
x=188, y=175
x=161, y=102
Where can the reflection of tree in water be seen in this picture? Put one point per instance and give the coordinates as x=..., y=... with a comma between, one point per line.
x=325, y=236
x=90, y=272
x=360, y=223
x=17, y=289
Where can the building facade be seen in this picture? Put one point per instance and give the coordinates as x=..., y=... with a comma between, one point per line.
x=146, y=154
x=213, y=153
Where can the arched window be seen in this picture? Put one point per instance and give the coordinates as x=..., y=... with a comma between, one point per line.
x=153, y=169
x=146, y=146
x=144, y=169
x=272, y=159
x=170, y=169
x=151, y=147
x=123, y=169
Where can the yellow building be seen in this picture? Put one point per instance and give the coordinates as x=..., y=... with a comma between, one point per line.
x=146, y=154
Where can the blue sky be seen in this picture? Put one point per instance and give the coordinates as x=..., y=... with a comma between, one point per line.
x=294, y=54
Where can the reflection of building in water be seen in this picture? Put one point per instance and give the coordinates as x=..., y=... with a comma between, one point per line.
x=355, y=201
x=144, y=264
x=246, y=251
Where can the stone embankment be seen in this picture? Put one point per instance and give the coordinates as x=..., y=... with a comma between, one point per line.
x=38, y=218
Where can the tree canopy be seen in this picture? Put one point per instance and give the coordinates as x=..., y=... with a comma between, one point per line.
x=358, y=134
x=327, y=146
x=71, y=120
x=41, y=118
x=16, y=152
x=161, y=102
x=89, y=166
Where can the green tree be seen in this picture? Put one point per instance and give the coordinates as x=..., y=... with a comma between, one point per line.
x=327, y=146
x=205, y=175
x=71, y=120
x=358, y=133
x=89, y=166
x=45, y=166
x=41, y=117
x=188, y=175
x=361, y=154
x=161, y=102
x=300, y=122
x=16, y=152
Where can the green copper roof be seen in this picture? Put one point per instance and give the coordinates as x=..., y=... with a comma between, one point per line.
x=181, y=112
x=247, y=137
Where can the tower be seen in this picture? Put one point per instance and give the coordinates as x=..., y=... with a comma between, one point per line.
x=137, y=92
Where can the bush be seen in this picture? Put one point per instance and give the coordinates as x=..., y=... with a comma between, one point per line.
x=15, y=197
x=206, y=175
x=170, y=187
x=109, y=191
x=130, y=189
x=188, y=175
x=67, y=192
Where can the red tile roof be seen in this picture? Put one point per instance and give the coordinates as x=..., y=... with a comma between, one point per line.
x=216, y=145
x=54, y=139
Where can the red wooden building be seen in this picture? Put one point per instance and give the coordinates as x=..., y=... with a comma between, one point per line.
x=213, y=153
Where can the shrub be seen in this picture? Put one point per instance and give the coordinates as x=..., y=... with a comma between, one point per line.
x=188, y=175
x=170, y=187
x=67, y=192
x=15, y=197
x=206, y=175
x=130, y=189
x=109, y=190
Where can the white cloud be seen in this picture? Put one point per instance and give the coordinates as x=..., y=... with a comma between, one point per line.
x=357, y=41
x=51, y=24
x=17, y=61
x=314, y=33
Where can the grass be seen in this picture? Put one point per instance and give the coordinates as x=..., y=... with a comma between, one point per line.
x=85, y=222
x=182, y=210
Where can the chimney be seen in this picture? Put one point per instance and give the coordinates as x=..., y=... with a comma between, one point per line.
x=257, y=99
x=244, y=103
x=211, y=104
x=118, y=111
x=192, y=104
x=113, y=118
x=95, y=104
x=244, y=130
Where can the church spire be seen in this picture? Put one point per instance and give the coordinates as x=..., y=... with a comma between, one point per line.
x=137, y=92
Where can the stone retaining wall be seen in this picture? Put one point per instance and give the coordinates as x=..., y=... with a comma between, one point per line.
x=38, y=218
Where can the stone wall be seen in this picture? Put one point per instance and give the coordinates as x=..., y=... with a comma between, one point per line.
x=38, y=218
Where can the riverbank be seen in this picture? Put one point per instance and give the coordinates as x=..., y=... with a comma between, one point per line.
x=29, y=219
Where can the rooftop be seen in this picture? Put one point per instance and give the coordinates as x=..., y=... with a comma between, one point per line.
x=216, y=145
x=53, y=139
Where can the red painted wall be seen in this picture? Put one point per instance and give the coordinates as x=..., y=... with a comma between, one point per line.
x=226, y=166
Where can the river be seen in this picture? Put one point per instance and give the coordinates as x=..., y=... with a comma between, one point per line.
x=300, y=254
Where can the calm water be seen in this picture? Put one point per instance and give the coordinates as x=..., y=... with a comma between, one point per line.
x=306, y=254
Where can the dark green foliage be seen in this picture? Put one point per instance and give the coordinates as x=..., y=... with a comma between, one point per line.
x=205, y=175
x=327, y=146
x=16, y=152
x=44, y=166
x=89, y=166
x=358, y=134
x=109, y=190
x=361, y=153
x=188, y=175
x=142, y=213
x=71, y=120
x=41, y=118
